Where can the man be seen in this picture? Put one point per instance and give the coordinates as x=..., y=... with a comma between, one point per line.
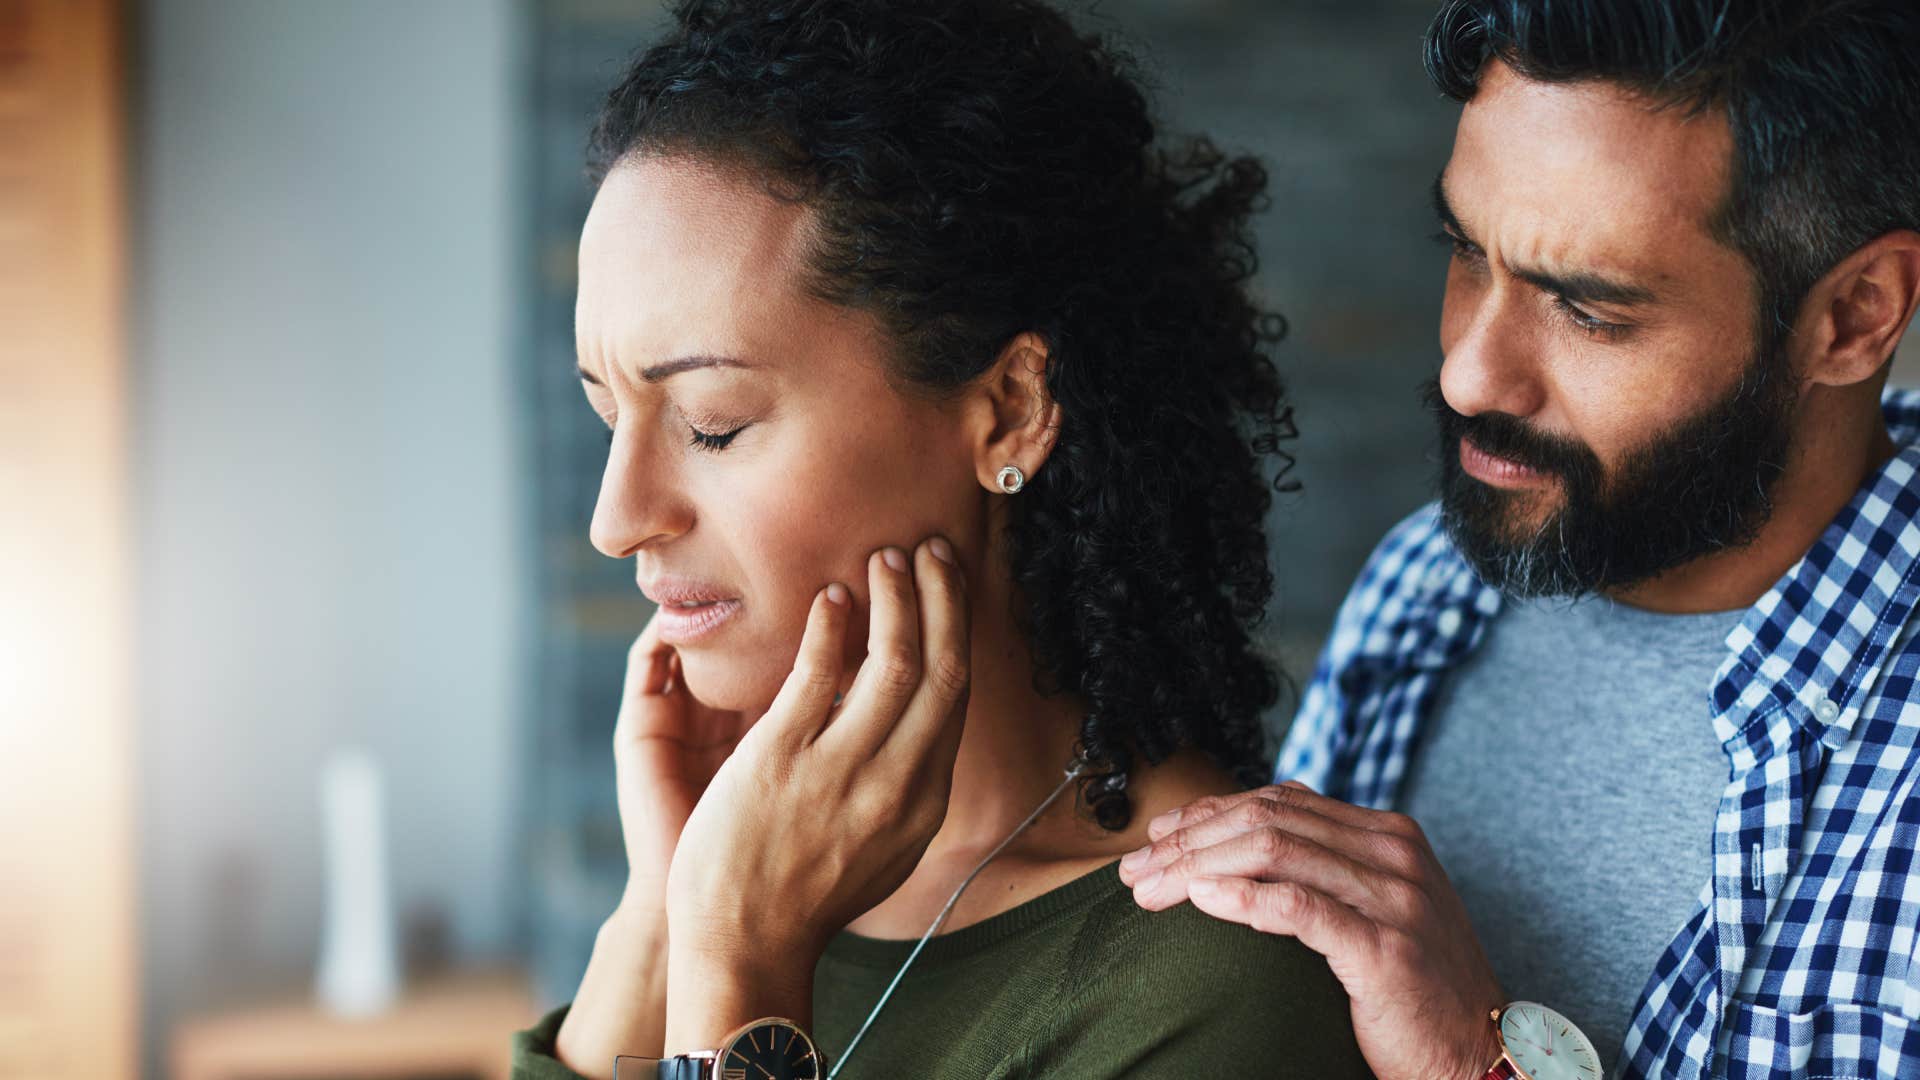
x=1644, y=677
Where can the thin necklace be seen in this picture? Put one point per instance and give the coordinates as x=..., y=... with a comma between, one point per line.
x=1073, y=772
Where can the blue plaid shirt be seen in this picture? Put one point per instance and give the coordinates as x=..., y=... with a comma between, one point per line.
x=1802, y=957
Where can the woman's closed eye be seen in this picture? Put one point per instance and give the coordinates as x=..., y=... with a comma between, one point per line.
x=702, y=440
x=706, y=440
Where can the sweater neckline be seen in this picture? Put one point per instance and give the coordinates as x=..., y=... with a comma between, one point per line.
x=866, y=951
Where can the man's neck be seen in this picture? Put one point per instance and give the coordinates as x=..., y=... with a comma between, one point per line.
x=1835, y=451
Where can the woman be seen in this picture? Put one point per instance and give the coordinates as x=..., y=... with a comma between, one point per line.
x=939, y=424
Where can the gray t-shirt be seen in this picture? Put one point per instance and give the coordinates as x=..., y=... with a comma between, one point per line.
x=1568, y=782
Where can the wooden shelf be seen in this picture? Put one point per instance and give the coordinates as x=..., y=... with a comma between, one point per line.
x=455, y=1026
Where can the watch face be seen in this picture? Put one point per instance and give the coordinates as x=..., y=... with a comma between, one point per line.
x=774, y=1050
x=1546, y=1045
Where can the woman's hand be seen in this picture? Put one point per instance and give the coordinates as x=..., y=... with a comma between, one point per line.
x=820, y=813
x=666, y=748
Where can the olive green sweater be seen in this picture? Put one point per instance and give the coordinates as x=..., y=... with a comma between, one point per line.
x=1080, y=984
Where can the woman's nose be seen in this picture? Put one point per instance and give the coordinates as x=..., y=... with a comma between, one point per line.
x=639, y=500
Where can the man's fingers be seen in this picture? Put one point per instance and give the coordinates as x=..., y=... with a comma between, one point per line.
x=1269, y=854
x=930, y=727
x=800, y=709
x=1290, y=793
x=1243, y=816
x=1322, y=923
x=1196, y=811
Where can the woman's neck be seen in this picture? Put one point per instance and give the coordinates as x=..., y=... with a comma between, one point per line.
x=1013, y=754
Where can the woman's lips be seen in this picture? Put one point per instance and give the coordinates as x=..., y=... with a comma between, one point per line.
x=1497, y=471
x=681, y=624
x=690, y=609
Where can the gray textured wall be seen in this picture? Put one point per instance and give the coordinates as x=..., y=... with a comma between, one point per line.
x=1332, y=97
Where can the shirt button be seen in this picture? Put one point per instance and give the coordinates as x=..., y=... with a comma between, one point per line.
x=1827, y=711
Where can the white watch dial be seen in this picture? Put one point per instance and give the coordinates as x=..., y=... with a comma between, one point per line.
x=1546, y=1045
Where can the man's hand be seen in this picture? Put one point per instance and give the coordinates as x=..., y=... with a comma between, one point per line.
x=1360, y=887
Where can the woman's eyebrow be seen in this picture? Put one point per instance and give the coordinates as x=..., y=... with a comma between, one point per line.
x=670, y=368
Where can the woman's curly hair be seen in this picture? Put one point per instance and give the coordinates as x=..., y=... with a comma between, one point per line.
x=979, y=169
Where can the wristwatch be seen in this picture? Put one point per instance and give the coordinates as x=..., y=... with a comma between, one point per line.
x=771, y=1048
x=1537, y=1043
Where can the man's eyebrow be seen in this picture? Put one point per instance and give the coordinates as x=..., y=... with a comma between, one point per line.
x=670, y=368
x=1575, y=286
x=1583, y=287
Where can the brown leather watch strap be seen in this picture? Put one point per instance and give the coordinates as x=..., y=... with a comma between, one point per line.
x=1502, y=1070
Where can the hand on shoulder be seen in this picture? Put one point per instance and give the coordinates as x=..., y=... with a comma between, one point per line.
x=1362, y=888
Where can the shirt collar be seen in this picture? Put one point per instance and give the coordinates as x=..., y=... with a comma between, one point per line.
x=1805, y=654
x=1802, y=656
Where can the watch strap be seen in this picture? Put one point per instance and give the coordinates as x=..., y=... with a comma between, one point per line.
x=1504, y=1069
x=682, y=1067
x=686, y=1068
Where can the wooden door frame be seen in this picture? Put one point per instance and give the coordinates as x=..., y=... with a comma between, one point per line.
x=68, y=954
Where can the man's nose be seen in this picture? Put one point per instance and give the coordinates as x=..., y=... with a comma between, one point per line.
x=1492, y=362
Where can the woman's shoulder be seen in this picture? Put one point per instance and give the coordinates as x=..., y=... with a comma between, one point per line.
x=1184, y=939
x=1173, y=993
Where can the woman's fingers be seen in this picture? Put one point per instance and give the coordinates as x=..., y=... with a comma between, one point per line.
x=646, y=709
x=800, y=709
x=890, y=673
x=649, y=668
x=931, y=724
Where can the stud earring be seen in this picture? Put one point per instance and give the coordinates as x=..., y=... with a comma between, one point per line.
x=1011, y=479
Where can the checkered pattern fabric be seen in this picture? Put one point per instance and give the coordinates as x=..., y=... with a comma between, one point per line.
x=1801, y=958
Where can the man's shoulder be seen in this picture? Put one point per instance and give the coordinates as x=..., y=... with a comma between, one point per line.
x=1414, y=574
x=1420, y=538
x=1902, y=411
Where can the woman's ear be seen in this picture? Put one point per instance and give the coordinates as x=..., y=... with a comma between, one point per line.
x=1855, y=316
x=1018, y=418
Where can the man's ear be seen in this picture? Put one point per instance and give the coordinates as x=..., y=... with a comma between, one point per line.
x=1018, y=421
x=1854, y=316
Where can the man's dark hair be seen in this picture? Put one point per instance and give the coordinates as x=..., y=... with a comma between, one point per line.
x=979, y=169
x=1823, y=98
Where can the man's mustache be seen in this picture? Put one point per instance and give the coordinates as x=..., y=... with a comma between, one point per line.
x=1507, y=436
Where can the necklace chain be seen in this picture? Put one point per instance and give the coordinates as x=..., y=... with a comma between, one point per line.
x=1073, y=772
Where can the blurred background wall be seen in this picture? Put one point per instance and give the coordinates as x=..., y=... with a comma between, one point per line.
x=361, y=468
x=331, y=470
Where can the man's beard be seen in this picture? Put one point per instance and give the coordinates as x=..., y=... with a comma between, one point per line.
x=1702, y=488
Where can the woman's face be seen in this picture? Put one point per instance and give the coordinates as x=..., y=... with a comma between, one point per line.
x=759, y=452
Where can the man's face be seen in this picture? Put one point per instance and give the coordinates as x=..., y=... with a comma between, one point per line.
x=1608, y=410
